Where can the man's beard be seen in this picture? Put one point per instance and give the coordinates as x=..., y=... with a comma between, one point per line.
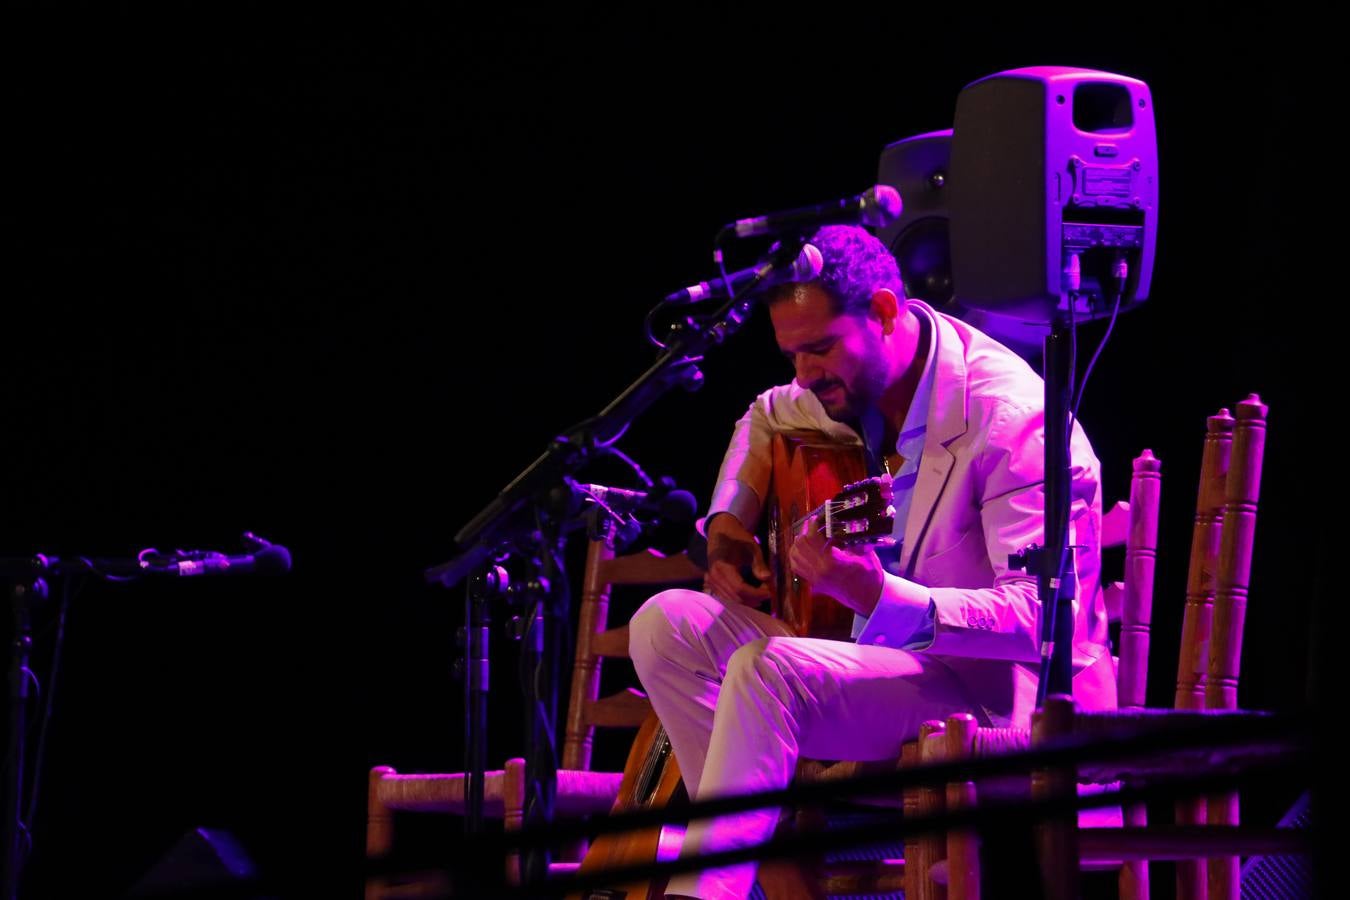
x=842, y=403
x=852, y=402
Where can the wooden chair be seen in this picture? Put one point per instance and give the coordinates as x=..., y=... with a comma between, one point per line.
x=580, y=790
x=1207, y=680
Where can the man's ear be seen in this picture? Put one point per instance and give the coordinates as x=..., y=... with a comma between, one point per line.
x=885, y=308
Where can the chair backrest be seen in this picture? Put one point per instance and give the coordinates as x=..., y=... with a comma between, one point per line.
x=1222, y=875
x=1235, y=554
x=586, y=709
x=1192, y=663
x=1220, y=564
x=1221, y=556
x=1215, y=612
x=1135, y=525
x=1141, y=555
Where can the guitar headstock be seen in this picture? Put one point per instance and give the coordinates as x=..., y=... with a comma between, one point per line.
x=861, y=513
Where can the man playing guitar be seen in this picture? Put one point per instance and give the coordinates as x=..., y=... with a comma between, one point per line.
x=941, y=625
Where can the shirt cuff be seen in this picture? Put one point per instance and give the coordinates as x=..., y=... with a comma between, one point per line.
x=903, y=617
x=737, y=498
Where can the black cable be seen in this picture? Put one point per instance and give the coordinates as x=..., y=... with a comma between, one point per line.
x=631, y=463
x=647, y=326
x=1115, y=311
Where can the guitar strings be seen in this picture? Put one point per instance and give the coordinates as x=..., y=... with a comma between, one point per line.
x=833, y=507
x=650, y=763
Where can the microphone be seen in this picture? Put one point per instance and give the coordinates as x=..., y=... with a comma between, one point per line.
x=877, y=206
x=665, y=500
x=266, y=559
x=271, y=559
x=806, y=267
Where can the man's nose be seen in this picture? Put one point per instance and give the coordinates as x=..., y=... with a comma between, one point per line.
x=807, y=369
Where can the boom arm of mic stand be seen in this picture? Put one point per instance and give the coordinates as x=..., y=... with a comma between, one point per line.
x=502, y=522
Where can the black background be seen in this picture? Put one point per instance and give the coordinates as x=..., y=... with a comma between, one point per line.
x=337, y=281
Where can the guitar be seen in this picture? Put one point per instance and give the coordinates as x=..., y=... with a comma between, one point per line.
x=816, y=477
x=853, y=512
x=651, y=780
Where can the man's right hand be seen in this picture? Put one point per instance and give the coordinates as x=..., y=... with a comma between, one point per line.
x=732, y=550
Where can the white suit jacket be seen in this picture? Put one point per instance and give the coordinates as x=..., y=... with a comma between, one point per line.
x=978, y=498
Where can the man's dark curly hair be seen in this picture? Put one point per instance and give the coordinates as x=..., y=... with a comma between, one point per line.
x=856, y=265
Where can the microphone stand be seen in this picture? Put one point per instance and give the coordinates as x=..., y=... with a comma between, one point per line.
x=24, y=595
x=1057, y=581
x=474, y=641
x=525, y=518
x=29, y=588
x=1054, y=564
x=543, y=650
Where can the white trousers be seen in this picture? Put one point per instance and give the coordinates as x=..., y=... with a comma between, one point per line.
x=742, y=699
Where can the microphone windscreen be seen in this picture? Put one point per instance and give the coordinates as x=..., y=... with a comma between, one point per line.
x=885, y=207
x=808, y=264
x=679, y=506
x=273, y=559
